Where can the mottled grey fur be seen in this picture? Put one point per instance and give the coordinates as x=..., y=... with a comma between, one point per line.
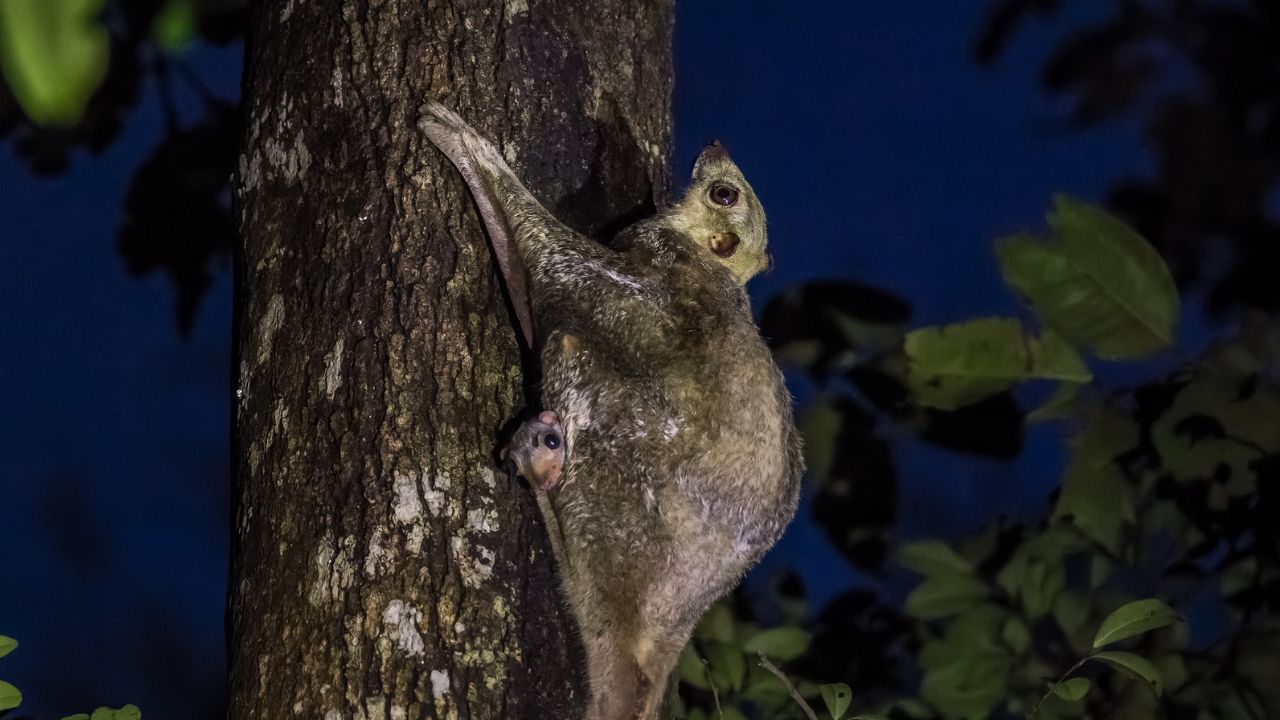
x=681, y=460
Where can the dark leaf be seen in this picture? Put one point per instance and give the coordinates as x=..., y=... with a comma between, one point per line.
x=1199, y=427
x=859, y=640
x=177, y=216
x=856, y=504
x=836, y=317
x=991, y=427
x=1003, y=20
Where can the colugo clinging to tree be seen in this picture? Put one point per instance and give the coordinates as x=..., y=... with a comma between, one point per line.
x=668, y=461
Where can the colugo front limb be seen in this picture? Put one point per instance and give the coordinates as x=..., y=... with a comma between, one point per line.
x=494, y=187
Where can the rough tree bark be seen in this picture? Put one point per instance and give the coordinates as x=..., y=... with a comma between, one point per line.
x=384, y=566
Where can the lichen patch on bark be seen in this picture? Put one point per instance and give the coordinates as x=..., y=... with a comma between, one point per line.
x=271, y=322
x=334, y=572
x=333, y=368
x=439, y=683
x=408, y=506
x=383, y=565
x=436, y=493
x=474, y=562
x=402, y=621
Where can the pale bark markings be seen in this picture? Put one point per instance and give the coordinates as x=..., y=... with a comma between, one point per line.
x=382, y=568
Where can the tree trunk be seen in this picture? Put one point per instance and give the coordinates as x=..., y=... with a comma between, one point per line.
x=384, y=565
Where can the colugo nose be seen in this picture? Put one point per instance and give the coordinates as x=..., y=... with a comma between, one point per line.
x=724, y=244
x=712, y=152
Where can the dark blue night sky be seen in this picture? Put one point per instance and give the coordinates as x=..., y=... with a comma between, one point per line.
x=881, y=152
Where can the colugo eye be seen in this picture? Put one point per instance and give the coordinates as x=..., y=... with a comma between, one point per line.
x=723, y=195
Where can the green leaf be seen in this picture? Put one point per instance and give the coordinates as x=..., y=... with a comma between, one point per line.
x=77, y=716
x=728, y=666
x=941, y=596
x=1100, y=569
x=913, y=708
x=1132, y=619
x=129, y=712
x=1052, y=358
x=1134, y=666
x=1244, y=422
x=956, y=365
x=1173, y=669
x=1097, y=500
x=837, y=697
x=103, y=713
x=1071, y=610
x=175, y=25
x=952, y=366
x=1016, y=635
x=968, y=689
x=820, y=426
x=7, y=645
x=717, y=624
x=799, y=353
x=731, y=713
x=1073, y=690
x=978, y=629
x=863, y=336
x=692, y=670
x=933, y=557
x=9, y=696
x=1057, y=406
x=1042, y=581
x=1097, y=282
x=1095, y=495
x=808, y=689
x=1238, y=575
x=784, y=643
x=53, y=55
x=763, y=688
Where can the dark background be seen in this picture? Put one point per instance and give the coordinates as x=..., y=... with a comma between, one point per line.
x=884, y=154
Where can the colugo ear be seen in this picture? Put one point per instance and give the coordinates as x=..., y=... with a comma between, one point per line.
x=712, y=154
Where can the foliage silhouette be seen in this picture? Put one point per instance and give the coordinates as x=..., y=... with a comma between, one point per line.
x=1173, y=488
x=1168, y=496
x=1203, y=80
x=177, y=214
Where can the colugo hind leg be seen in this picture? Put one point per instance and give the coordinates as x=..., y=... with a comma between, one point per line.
x=631, y=673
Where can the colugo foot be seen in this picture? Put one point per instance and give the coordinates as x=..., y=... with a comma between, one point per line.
x=537, y=450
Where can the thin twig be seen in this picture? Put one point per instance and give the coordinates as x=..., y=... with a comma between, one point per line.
x=715, y=694
x=808, y=711
x=711, y=682
x=1054, y=686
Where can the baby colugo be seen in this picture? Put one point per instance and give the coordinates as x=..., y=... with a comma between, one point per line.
x=669, y=461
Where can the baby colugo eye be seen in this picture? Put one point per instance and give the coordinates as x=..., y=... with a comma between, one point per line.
x=723, y=195
x=551, y=440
